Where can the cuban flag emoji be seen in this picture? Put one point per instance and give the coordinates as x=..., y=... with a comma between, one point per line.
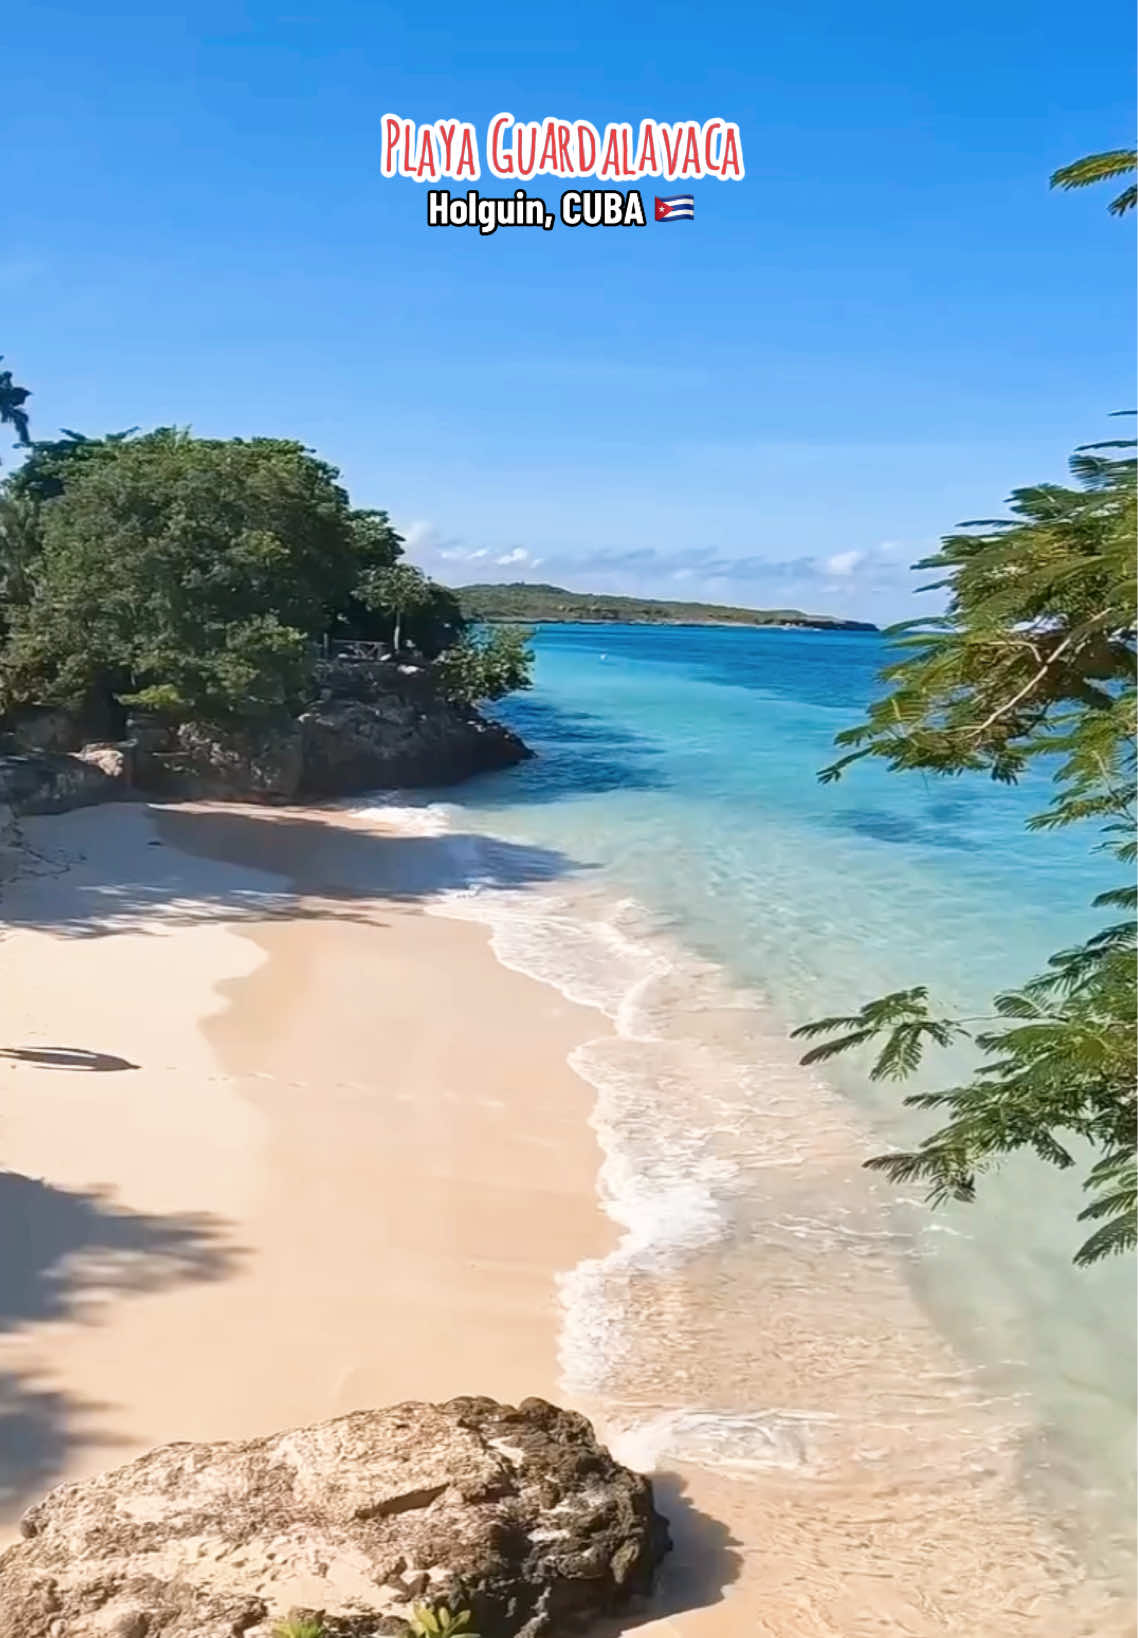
x=680, y=207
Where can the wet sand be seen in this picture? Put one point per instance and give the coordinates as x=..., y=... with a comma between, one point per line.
x=279, y=1145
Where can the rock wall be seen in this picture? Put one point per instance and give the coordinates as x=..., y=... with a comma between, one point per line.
x=62, y=728
x=367, y=727
x=53, y=782
x=195, y=760
x=387, y=726
x=517, y=1515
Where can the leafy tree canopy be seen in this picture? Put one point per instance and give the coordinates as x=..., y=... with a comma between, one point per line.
x=486, y=665
x=51, y=461
x=184, y=574
x=20, y=546
x=1102, y=168
x=196, y=577
x=1032, y=662
x=399, y=590
x=398, y=603
x=12, y=401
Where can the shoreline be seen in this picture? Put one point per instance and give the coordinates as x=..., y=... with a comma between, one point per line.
x=331, y=1148
x=685, y=625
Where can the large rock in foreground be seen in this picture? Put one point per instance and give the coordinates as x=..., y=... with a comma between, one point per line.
x=518, y=1515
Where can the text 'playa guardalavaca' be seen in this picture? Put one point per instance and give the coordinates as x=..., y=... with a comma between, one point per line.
x=686, y=150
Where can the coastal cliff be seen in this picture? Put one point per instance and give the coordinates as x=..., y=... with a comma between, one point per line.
x=517, y=1515
x=366, y=726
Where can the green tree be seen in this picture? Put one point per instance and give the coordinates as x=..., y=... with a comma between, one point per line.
x=486, y=666
x=21, y=542
x=12, y=411
x=51, y=461
x=375, y=544
x=1033, y=663
x=1084, y=173
x=428, y=615
x=398, y=592
x=187, y=575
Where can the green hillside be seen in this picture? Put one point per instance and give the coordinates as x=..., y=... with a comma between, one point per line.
x=516, y=600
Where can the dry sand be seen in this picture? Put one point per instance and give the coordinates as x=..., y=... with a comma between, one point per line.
x=314, y=1153
x=279, y=1145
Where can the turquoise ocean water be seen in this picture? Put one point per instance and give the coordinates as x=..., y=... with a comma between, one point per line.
x=708, y=894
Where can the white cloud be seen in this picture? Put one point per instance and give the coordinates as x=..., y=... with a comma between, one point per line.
x=459, y=554
x=865, y=581
x=421, y=536
x=843, y=563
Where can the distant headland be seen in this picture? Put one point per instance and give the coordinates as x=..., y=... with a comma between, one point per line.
x=551, y=605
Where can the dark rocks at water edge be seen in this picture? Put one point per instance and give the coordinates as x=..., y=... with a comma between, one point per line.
x=375, y=726
x=367, y=727
x=517, y=1515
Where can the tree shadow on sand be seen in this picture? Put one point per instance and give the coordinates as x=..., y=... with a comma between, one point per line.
x=324, y=869
x=61, y=1252
x=40, y=1430
x=67, y=1058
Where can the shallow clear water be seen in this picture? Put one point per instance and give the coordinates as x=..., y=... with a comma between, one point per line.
x=721, y=895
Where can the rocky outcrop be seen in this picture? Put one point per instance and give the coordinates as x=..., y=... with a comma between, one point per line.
x=51, y=782
x=225, y=764
x=61, y=727
x=368, y=726
x=115, y=760
x=387, y=725
x=518, y=1515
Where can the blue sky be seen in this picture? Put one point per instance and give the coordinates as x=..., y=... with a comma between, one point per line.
x=884, y=328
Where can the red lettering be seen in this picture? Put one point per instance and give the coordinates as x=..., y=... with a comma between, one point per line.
x=548, y=159
x=586, y=133
x=520, y=135
x=709, y=163
x=671, y=155
x=610, y=159
x=625, y=156
x=392, y=127
x=446, y=138
x=732, y=158
x=467, y=159
x=501, y=163
x=564, y=163
x=691, y=154
x=647, y=163
x=426, y=165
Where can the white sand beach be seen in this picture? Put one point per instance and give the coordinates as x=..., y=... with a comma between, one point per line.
x=279, y=1145
x=228, y=1220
